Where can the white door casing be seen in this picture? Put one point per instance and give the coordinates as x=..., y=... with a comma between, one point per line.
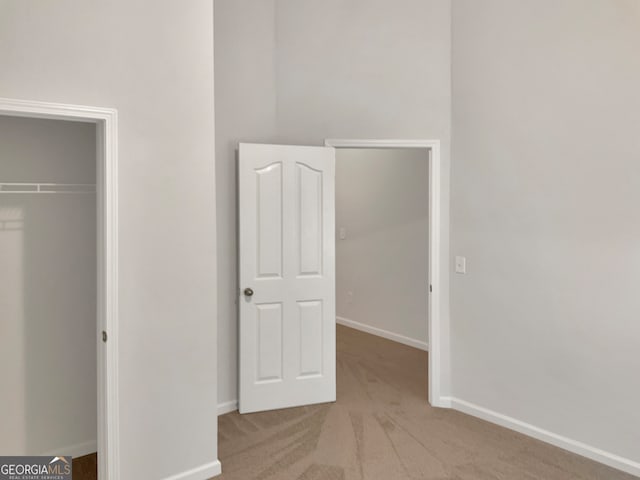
x=438, y=371
x=287, y=276
x=106, y=120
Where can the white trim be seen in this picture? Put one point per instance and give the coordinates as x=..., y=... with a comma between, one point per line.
x=75, y=451
x=437, y=336
x=593, y=453
x=379, y=332
x=106, y=120
x=203, y=472
x=368, y=143
x=227, y=407
x=47, y=188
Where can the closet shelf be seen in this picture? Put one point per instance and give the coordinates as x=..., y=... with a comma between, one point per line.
x=47, y=188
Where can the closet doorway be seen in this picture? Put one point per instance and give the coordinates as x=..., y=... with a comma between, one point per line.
x=58, y=342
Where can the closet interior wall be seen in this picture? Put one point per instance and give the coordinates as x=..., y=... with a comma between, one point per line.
x=47, y=288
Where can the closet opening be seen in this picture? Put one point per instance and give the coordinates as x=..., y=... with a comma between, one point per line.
x=58, y=338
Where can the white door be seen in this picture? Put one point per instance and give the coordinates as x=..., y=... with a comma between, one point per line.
x=287, y=276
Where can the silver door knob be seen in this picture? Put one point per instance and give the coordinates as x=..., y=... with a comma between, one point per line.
x=248, y=292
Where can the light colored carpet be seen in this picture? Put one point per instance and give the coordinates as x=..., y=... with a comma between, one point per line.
x=382, y=428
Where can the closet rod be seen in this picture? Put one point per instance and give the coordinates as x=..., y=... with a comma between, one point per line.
x=47, y=187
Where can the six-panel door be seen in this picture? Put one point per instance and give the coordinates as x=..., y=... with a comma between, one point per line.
x=287, y=276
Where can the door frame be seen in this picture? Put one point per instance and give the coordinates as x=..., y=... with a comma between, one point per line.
x=435, y=287
x=105, y=120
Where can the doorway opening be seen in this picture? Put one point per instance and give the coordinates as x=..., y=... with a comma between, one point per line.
x=58, y=245
x=425, y=334
x=289, y=356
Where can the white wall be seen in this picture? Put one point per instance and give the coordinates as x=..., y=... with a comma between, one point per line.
x=47, y=290
x=545, y=195
x=245, y=110
x=154, y=63
x=382, y=266
x=363, y=69
x=357, y=69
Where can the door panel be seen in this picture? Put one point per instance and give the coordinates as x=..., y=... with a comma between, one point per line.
x=269, y=330
x=287, y=260
x=309, y=216
x=310, y=318
x=269, y=215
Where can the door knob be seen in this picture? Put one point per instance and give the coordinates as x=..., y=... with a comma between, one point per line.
x=248, y=292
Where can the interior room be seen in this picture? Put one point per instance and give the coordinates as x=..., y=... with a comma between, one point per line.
x=504, y=90
x=209, y=304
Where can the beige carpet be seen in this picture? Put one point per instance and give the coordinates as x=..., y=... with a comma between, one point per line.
x=382, y=427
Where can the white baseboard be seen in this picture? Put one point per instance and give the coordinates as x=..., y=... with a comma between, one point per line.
x=383, y=333
x=442, y=402
x=593, y=453
x=75, y=451
x=227, y=407
x=204, y=472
